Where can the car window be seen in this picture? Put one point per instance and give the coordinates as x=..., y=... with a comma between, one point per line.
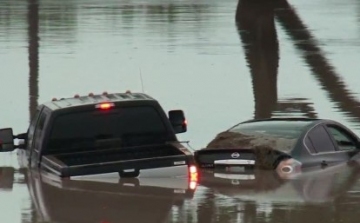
x=320, y=140
x=343, y=139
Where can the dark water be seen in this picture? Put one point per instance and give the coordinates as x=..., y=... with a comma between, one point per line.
x=220, y=61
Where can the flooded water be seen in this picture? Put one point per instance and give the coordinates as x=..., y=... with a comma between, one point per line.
x=221, y=61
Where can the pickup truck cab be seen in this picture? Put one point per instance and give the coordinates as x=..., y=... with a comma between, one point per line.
x=106, y=135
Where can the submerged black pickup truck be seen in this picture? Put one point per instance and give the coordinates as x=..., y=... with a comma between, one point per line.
x=123, y=134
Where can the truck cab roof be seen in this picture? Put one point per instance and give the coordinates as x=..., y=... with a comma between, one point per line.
x=95, y=99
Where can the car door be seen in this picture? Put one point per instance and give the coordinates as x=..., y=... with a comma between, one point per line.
x=322, y=149
x=344, y=141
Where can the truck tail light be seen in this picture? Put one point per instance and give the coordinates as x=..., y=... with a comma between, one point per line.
x=193, y=177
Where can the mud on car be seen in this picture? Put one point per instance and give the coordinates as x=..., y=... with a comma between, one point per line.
x=287, y=145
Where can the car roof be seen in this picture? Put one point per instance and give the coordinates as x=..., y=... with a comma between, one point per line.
x=93, y=99
x=278, y=133
x=287, y=119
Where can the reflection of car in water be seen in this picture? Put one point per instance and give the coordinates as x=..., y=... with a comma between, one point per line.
x=289, y=145
x=128, y=200
x=266, y=185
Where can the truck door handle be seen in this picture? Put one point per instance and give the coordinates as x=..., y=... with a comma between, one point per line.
x=323, y=164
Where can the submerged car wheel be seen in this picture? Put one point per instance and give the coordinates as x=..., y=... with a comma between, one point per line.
x=132, y=174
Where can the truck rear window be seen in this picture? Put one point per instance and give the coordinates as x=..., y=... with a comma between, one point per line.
x=128, y=126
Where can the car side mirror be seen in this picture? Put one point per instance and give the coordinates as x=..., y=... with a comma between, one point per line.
x=178, y=121
x=6, y=140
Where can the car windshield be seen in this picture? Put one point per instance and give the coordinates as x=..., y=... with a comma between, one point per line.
x=128, y=126
x=280, y=129
x=278, y=135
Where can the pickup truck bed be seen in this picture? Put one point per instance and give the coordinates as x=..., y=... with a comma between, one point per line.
x=113, y=160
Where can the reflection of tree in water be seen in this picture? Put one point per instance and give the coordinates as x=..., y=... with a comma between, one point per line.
x=256, y=26
x=255, y=22
x=159, y=16
x=176, y=12
x=315, y=58
x=171, y=12
x=12, y=17
x=33, y=48
x=295, y=106
x=58, y=21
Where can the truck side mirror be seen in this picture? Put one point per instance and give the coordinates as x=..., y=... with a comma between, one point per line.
x=6, y=140
x=178, y=121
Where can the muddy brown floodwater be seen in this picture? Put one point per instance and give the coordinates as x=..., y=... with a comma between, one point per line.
x=222, y=62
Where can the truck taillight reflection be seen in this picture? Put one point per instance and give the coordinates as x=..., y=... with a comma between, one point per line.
x=193, y=185
x=193, y=177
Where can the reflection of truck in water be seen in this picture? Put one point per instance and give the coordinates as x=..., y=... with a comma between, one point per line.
x=126, y=200
x=129, y=200
x=126, y=134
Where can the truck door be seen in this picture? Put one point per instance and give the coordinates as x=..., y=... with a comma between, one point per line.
x=30, y=133
x=37, y=140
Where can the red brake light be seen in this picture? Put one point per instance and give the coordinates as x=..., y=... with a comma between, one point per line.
x=193, y=177
x=105, y=105
x=193, y=173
